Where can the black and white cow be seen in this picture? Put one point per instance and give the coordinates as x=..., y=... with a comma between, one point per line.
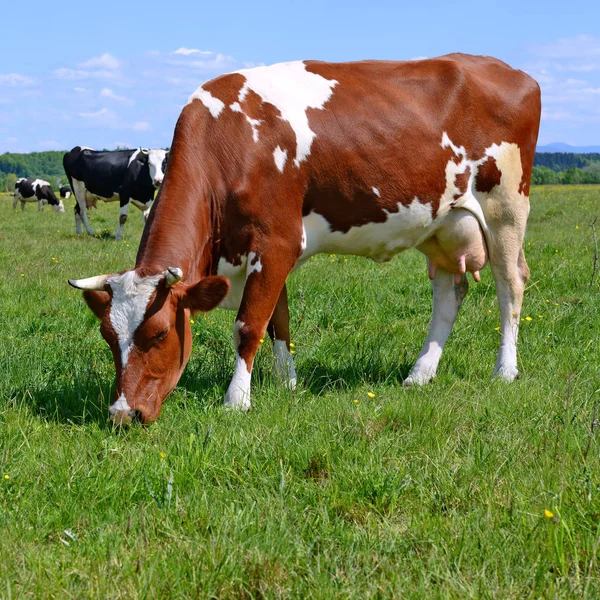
x=65, y=191
x=36, y=190
x=123, y=175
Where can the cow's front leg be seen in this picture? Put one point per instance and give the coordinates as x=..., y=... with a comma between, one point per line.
x=265, y=278
x=123, y=212
x=279, y=332
x=81, y=215
x=40, y=205
x=78, y=230
x=447, y=298
x=22, y=205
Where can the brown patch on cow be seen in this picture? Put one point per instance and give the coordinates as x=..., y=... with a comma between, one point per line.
x=461, y=181
x=226, y=88
x=488, y=176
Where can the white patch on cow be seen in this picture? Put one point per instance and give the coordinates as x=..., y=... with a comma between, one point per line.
x=238, y=392
x=284, y=364
x=237, y=278
x=214, y=105
x=254, y=123
x=280, y=156
x=254, y=264
x=237, y=275
x=407, y=228
x=155, y=162
x=376, y=192
x=133, y=157
x=120, y=405
x=292, y=90
x=303, y=241
x=130, y=297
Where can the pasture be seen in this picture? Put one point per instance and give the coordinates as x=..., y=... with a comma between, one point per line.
x=352, y=487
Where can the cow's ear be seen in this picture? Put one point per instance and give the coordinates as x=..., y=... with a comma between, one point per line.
x=207, y=294
x=97, y=301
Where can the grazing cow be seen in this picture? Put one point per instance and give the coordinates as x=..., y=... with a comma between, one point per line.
x=123, y=175
x=36, y=190
x=65, y=191
x=272, y=165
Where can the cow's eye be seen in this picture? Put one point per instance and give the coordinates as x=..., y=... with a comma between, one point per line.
x=160, y=336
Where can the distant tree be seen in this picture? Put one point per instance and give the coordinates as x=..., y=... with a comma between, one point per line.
x=9, y=182
x=544, y=176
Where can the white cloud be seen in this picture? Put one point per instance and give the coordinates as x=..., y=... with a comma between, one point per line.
x=79, y=90
x=188, y=51
x=103, y=112
x=108, y=93
x=74, y=74
x=141, y=126
x=583, y=46
x=106, y=61
x=15, y=80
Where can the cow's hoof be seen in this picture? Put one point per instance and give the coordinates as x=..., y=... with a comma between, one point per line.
x=237, y=401
x=506, y=374
x=417, y=379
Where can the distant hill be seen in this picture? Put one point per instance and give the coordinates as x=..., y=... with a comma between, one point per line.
x=560, y=147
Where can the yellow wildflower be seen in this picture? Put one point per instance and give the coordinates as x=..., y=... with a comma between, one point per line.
x=192, y=321
x=292, y=352
x=6, y=476
x=548, y=513
x=355, y=400
x=496, y=328
x=371, y=394
x=292, y=345
x=163, y=455
x=261, y=340
x=528, y=318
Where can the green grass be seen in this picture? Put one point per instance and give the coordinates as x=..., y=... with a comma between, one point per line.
x=326, y=492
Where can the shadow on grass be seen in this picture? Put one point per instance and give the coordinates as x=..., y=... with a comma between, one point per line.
x=323, y=378
x=79, y=403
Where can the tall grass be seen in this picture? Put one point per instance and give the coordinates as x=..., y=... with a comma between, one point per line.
x=466, y=488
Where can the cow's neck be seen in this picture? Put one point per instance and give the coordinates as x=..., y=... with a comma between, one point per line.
x=181, y=228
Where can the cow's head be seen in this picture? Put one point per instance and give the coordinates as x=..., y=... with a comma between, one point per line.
x=59, y=207
x=145, y=321
x=157, y=163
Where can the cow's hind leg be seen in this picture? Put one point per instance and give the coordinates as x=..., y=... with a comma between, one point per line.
x=265, y=277
x=279, y=332
x=511, y=273
x=447, y=298
x=22, y=205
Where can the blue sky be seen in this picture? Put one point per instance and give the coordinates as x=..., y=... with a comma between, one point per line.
x=112, y=73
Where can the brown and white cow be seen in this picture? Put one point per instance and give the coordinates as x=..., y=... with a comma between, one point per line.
x=272, y=165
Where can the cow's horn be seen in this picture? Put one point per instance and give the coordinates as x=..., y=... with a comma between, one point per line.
x=173, y=275
x=91, y=283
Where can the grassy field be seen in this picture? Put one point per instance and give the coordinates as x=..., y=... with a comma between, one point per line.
x=352, y=487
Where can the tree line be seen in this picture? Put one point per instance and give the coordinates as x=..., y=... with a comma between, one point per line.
x=549, y=168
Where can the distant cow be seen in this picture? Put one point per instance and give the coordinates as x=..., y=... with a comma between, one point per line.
x=272, y=165
x=123, y=175
x=36, y=190
x=65, y=191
